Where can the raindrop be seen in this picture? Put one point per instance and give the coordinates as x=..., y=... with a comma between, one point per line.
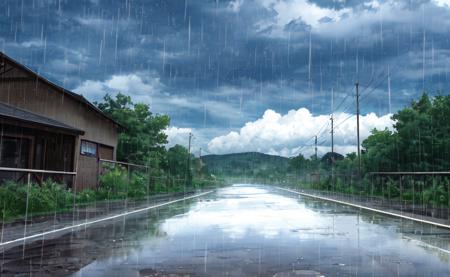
x=205, y=260
x=189, y=36
x=185, y=9
x=389, y=90
x=289, y=49
x=423, y=60
x=164, y=57
x=309, y=73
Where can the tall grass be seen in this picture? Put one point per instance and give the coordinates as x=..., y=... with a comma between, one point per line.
x=116, y=184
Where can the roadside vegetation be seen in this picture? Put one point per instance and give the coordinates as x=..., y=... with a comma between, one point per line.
x=418, y=142
x=116, y=184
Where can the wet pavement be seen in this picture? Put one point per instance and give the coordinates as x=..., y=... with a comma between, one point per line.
x=82, y=214
x=242, y=230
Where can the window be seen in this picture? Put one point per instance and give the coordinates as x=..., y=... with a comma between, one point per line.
x=88, y=148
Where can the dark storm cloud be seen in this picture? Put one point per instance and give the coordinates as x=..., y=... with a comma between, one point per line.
x=219, y=64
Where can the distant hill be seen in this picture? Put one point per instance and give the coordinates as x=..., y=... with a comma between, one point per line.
x=246, y=164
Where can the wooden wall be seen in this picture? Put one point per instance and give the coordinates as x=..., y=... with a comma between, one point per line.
x=22, y=89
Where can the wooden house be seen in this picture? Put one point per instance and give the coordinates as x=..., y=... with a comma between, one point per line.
x=44, y=126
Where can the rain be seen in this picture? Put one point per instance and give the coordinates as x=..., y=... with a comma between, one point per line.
x=224, y=138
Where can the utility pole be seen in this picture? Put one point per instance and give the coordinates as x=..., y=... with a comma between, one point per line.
x=200, y=158
x=188, y=164
x=315, y=146
x=389, y=89
x=357, y=128
x=189, y=145
x=332, y=136
x=317, y=164
x=332, y=124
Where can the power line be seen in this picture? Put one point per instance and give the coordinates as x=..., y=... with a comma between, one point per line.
x=342, y=102
x=365, y=97
x=379, y=80
x=345, y=119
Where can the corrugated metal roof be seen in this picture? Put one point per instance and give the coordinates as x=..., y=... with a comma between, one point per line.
x=11, y=112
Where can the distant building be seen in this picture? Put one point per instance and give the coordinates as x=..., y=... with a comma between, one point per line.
x=331, y=157
x=44, y=126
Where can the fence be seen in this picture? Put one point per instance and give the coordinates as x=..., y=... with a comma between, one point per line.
x=36, y=175
x=28, y=208
x=138, y=177
x=39, y=176
x=422, y=193
x=417, y=194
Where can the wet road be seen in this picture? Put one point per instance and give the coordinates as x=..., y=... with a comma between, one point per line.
x=243, y=230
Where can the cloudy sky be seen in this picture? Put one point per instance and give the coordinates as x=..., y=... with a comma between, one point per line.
x=242, y=75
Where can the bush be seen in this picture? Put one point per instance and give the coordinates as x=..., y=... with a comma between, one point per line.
x=116, y=184
x=200, y=183
x=113, y=184
x=138, y=185
x=159, y=185
x=47, y=197
x=86, y=196
x=12, y=199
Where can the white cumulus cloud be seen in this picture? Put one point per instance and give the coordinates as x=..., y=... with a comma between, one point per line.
x=292, y=133
x=177, y=135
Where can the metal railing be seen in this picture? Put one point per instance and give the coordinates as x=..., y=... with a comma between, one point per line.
x=123, y=163
x=405, y=173
x=13, y=169
x=420, y=194
x=28, y=172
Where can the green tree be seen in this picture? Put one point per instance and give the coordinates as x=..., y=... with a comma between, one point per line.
x=420, y=140
x=380, y=151
x=414, y=130
x=299, y=164
x=177, y=160
x=142, y=139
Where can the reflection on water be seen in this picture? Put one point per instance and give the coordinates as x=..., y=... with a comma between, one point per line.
x=248, y=230
x=242, y=211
